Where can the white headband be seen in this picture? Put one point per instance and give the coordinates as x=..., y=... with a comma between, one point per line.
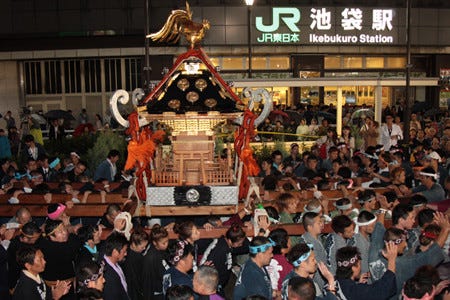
x=435, y=176
x=371, y=156
x=362, y=201
x=359, y=224
x=343, y=207
x=315, y=210
x=366, y=223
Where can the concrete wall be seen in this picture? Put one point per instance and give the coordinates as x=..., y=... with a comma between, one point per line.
x=9, y=87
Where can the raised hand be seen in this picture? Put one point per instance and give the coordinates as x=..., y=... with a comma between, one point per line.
x=441, y=219
x=364, y=277
x=325, y=271
x=441, y=286
x=390, y=251
x=60, y=289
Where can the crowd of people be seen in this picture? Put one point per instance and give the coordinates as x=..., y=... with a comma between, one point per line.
x=388, y=236
x=56, y=127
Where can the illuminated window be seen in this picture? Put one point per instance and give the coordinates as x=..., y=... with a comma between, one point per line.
x=352, y=62
x=309, y=74
x=258, y=63
x=215, y=61
x=375, y=62
x=232, y=63
x=396, y=62
x=332, y=62
x=280, y=95
x=277, y=63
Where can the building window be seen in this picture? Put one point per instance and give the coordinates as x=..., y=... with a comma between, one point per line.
x=258, y=63
x=33, y=77
x=92, y=76
x=232, y=63
x=52, y=77
x=395, y=62
x=332, y=62
x=375, y=62
x=215, y=61
x=279, y=63
x=72, y=76
x=113, y=76
x=132, y=73
x=352, y=62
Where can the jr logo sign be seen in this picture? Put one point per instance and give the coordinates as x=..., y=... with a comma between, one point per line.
x=290, y=16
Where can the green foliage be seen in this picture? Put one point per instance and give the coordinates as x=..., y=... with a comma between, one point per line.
x=263, y=152
x=281, y=146
x=168, y=130
x=106, y=141
x=218, y=147
x=355, y=132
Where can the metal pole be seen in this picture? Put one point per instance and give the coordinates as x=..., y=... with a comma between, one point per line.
x=408, y=109
x=147, y=69
x=249, y=18
x=340, y=102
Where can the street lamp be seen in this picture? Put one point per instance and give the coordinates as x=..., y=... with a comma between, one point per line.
x=249, y=4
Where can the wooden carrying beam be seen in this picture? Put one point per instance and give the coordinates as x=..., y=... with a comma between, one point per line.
x=94, y=198
x=95, y=208
x=292, y=229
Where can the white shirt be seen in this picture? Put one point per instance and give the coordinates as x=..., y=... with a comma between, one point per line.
x=390, y=137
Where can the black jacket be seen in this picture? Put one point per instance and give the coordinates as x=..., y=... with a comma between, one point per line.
x=113, y=289
x=28, y=289
x=154, y=267
x=132, y=268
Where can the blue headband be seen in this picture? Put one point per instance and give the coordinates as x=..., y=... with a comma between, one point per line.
x=304, y=256
x=262, y=248
x=54, y=163
x=19, y=176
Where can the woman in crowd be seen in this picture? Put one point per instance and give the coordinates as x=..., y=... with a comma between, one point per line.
x=155, y=263
x=188, y=232
x=302, y=130
x=90, y=281
x=90, y=237
x=398, y=176
x=279, y=266
x=326, y=142
x=347, y=138
x=370, y=133
x=98, y=122
x=287, y=204
x=133, y=264
x=313, y=127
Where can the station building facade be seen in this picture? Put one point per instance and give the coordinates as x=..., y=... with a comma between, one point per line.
x=75, y=56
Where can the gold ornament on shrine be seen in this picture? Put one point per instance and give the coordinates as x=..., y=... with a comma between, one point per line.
x=180, y=22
